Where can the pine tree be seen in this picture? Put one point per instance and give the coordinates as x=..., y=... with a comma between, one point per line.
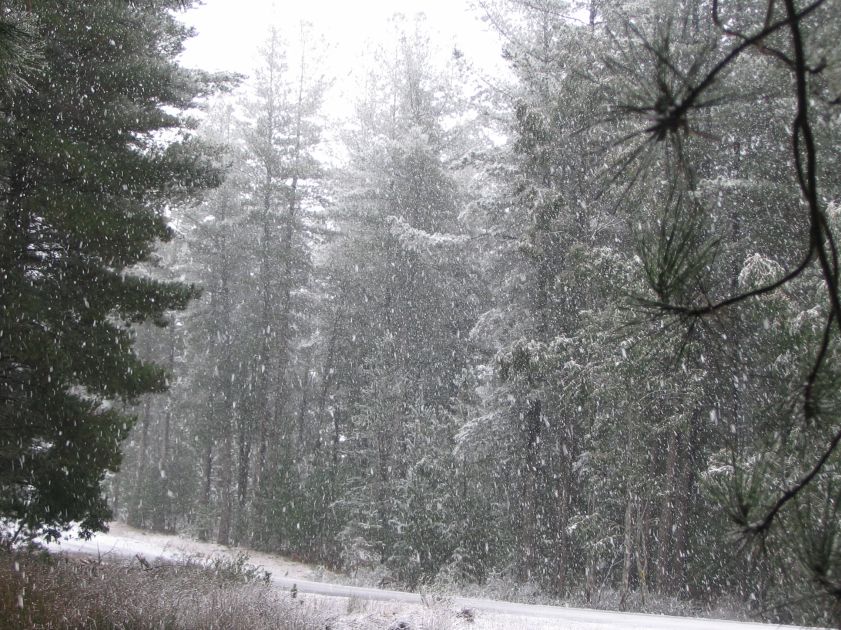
x=745, y=251
x=87, y=177
x=404, y=297
x=20, y=58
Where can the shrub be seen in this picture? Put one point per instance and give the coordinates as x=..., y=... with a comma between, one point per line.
x=42, y=591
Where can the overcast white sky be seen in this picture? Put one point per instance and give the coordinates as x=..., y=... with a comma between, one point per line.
x=230, y=30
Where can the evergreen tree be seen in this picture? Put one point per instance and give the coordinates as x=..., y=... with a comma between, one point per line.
x=406, y=298
x=86, y=181
x=743, y=230
x=20, y=57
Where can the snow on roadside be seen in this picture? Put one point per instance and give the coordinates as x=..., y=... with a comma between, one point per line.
x=124, y=541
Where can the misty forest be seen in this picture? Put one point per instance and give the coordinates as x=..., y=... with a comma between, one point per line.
x=572, y=327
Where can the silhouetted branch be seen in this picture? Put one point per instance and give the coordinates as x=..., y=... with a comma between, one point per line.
x=793, y=491
x=809, y=408
x=700, y=311
x=673, y=119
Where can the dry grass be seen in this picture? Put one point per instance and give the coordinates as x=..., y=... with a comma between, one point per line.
x=39, y=591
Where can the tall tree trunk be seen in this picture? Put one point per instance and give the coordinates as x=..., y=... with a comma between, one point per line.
x=162, y=515
x=271, y=415
x=529, y=474
x=306, y=382
x=207, y=488
x=226, y=456
x=559, y=475
x=665, y=535
x=562, y=537
x=686, y=490
x=641, y=549
x=226, y=487
x=628, y=547
x=135, y=511
x=590, y=572
x=243, y=472
x=681, y=526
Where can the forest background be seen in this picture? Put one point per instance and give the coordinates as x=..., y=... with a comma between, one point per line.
x=573, y=329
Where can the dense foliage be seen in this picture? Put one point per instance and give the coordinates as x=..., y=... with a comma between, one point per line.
x=578, y=331
x=86, y=176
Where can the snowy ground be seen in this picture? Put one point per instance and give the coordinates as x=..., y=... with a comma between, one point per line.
x=123, y=540
x=357, y=608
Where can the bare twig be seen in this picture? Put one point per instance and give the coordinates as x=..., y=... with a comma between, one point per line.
x=143, y=562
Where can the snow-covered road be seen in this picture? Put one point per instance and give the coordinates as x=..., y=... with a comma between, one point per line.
x=547, y=616
x=488, y=614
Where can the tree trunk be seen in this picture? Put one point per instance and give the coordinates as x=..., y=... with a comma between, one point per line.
x=529, y=551
x=118, y=482
x=590, y=577
x=225, y=489
x=243, y=471
x=629, y=555
x=161, y=515
x=591, y=570
x=665, y=534
x=135, y=511
x=684, y=503
x=641, y=552
x=304, y=408
x=207, y=486
x=226, y=461
x=562, y=537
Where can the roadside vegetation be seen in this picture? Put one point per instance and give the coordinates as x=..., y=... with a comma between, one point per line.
x=38, y=590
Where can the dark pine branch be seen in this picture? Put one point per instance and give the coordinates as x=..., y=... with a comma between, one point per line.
x=674, y=118
x=822, y=244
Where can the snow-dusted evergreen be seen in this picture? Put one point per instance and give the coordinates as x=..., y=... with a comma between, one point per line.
x=572, y=330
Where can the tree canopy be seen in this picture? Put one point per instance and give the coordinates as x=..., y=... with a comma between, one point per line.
x=94, y=150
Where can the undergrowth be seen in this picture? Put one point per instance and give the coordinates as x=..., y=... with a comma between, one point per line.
x=63, y=592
